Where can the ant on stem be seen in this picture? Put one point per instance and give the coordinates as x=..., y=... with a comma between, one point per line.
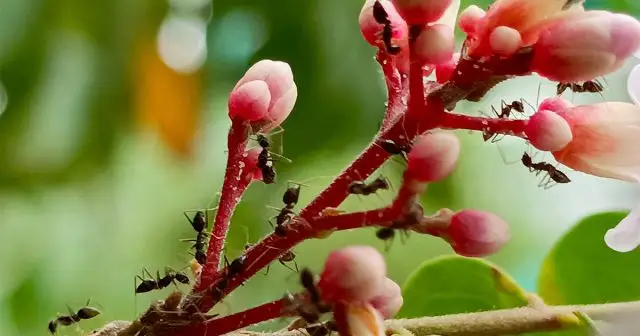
x=505, y=112
x=199, y=223
x=382, y=17
x=84, y=313
x=410, y=218
x=394, y=148
x=363, y=188
x=290, y=199
x=312, y=310
x=553, y=174
x=171, y=276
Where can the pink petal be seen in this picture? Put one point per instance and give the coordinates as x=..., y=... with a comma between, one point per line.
x=625, y=237
x=633, y=84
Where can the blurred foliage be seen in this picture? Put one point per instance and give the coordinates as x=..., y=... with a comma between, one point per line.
x=103, y=146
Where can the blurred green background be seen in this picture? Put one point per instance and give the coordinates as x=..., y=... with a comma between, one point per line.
x=114, y=121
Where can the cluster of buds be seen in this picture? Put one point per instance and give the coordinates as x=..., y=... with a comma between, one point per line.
x=415, y=38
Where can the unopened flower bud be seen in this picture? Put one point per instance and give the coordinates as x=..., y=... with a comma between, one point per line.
x=264, y=96
x=474, y=233
x=372, y=29
x=547, y=131
x=352, y=274
x=605, y=140
x=358, y=319
x=470, y=18
x=584, y=46
x=555, y=104
x=389, y=300
x=445, y=70
x=505, y=41
x=421, y=11
x=435, y=44
x=433, y=157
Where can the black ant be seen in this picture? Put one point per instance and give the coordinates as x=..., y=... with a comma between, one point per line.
x=236, y=266
x=310, y=311
x=290, y=199
x=554, y=175
x=363, y=188
x=505, y=112
x=393, y=148
x=588, y=86
x=147, y=285
x=199, y=223
x=381, y=17
x=265, y=162
x=84, y=313
x=410, y=218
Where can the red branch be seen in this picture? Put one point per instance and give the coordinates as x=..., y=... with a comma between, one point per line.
x=396, y=83
x=420, y=117
x=232, y=188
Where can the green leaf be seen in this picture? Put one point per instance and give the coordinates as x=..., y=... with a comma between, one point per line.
x=581, y=269
x=453, y=284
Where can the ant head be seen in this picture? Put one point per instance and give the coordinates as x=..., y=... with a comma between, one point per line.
x=380, y=14
x=526, y=159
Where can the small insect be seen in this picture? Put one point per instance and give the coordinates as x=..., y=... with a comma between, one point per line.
x=199, y=223
x=505, y=112
x=236, y=266
x=381, y=17
x=84, y=313
x=290, y=199
x=147, y=285
x=553, y=174
x=363, y=188
x=588, y=86
x=265, y=161
x=393, y=148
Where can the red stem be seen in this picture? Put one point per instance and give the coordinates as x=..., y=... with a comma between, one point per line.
x=395, y=88
x=416, y=75
x=495, y=125
x=232, y=188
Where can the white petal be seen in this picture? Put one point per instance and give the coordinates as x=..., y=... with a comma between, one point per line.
x=637, y=54
x=633, y=84
x=625, y=237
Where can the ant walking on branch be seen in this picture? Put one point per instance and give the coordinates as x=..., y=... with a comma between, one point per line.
x=363, y=188
x=505, y=113
x=199, y=223
x=394, y=148
x=84, y=313
x=171, y=276
x=309, y=307
x=382, y=17
x=290, y=199
x=553, y=175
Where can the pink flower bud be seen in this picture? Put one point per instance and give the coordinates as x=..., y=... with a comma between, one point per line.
x=547, y=131
x=372, y=29
x=358, y=319
x=435, y=44
x=475, y=233
x=433, y=157
x=582, y=47
x=352, y=274
x=421, y=11
x=249, y=97
x=605, y=140
x=555, y=104
x=525, y=16
x=625, y=237
x=445, y=70
x=389, y=300
x=470, y=18
x=505, y=41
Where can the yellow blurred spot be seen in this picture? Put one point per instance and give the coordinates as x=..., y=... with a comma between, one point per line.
x=167, y=102
x=196, y=268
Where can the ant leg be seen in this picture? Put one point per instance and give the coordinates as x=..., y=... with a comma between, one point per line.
x=267, y=271
x=287, y=266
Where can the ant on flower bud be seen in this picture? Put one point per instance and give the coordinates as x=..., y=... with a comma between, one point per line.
x=84, y=313
x=588, y=86
x=394, y=148
x=381, y=17
x=553, y=174
x=265, y=162
x=147, y=285
x=363, y=188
